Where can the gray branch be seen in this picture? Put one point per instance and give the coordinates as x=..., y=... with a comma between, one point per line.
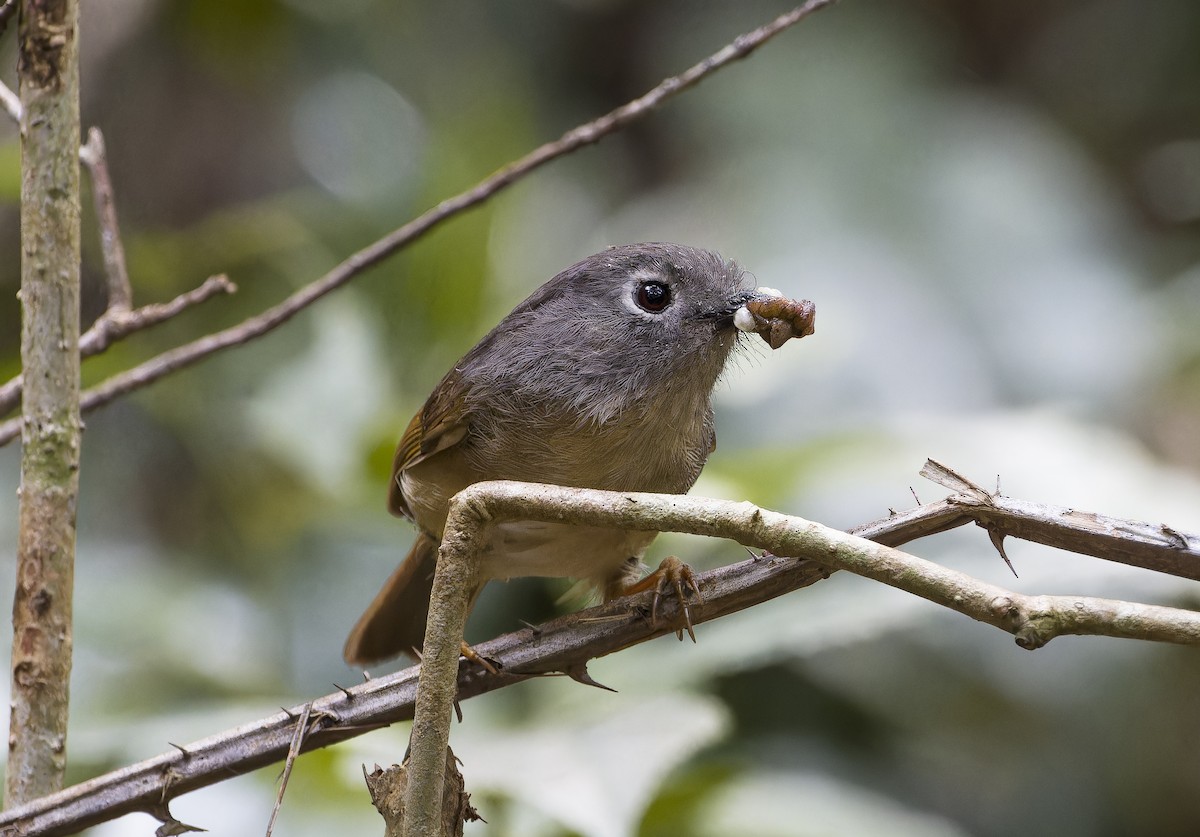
x=1033, y=620
x=565, y=645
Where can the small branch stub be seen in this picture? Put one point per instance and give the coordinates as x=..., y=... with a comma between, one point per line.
x=388, y=787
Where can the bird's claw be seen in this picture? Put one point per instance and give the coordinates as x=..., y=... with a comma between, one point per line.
x=675, y=576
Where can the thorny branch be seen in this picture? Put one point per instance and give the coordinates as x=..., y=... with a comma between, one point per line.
x=565, y=645
x=578, y=137
x=1033, y=620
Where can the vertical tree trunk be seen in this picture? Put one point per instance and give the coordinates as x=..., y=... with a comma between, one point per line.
x=48, y=73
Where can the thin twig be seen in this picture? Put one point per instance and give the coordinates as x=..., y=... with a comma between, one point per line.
x=118, y=320
x=583, y=135
x=112, y=326
x=7, y=11
x=293, y=753
x=92, y=154
x=11, y=102
x=115, y=325
x=564, y=644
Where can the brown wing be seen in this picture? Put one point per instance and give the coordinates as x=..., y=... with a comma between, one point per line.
x=441, y=423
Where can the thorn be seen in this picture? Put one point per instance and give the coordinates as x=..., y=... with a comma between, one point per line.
x=170, y=826
x=997, y=494
x=366, y=676
x=580, y=674
x=349, y=694
x=913, y=491
x=997, y=539
x=184, y=750
x=536, y=630
x=291, y=715
x=457, y=711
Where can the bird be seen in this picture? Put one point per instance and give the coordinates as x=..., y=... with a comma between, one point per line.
x=602, y=378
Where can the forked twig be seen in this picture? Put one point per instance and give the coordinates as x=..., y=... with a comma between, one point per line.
x=114, y=325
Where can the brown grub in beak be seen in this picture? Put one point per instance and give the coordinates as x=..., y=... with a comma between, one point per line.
x=778, y=319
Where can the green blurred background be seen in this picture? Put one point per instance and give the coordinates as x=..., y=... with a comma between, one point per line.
x=995, y=206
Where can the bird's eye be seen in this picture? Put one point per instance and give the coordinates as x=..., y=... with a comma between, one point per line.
x=653, y=296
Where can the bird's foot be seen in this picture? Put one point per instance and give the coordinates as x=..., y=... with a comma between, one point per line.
x=671, y=575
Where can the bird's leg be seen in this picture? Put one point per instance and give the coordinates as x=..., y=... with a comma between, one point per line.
x=475, y=657
x=672, y=574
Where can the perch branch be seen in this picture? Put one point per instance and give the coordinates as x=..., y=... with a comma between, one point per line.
x=1033, y=620
x=563, y=645
x=578, y=137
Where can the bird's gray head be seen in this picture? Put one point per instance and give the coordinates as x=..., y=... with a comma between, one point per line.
x=633, y=328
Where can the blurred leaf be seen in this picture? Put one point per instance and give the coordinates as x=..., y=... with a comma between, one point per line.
x=10, y=171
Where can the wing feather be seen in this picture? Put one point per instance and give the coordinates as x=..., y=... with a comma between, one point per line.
x=441, y=423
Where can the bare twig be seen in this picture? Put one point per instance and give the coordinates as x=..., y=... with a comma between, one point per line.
x=564, y=644
x=583, y=135
x=112, y=326
x=1034, y=620
x=7, y=10
x=1151, y=546
x=11, y=102
x=117, y=321
x=92, y=154
x=115, y=325
x=293, y=752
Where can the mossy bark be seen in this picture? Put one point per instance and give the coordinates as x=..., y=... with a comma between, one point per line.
x=48, y=74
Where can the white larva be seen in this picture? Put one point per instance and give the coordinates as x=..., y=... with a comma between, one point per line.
x=744, y=320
